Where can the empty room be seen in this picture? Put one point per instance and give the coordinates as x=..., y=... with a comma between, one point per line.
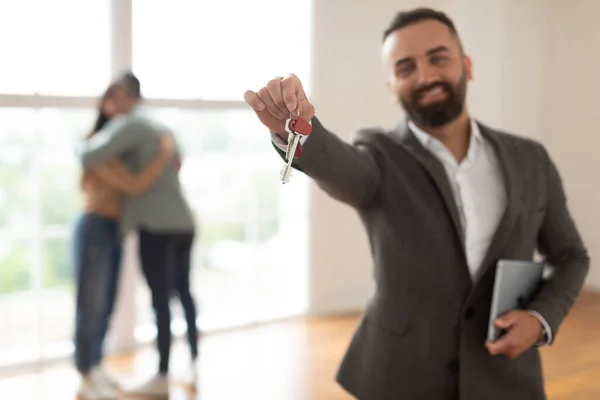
x=299, y=200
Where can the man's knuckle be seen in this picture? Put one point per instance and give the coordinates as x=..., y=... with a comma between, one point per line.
x=274, y=83
x=263, y=92
x=291, y=80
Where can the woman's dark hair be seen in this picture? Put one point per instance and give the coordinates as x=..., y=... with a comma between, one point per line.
x=102, y=118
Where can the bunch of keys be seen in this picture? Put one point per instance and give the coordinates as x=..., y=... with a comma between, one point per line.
x=296, y=128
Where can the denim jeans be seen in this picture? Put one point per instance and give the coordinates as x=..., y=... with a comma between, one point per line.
x=166, y=266
x=97, y=260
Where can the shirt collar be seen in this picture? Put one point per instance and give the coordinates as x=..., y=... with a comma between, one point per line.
x=427, y=140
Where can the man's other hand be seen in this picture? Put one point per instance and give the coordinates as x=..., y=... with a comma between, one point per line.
x=523, y=331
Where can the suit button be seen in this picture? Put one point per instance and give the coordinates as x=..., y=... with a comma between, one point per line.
x=469, y=313
x=453, y=365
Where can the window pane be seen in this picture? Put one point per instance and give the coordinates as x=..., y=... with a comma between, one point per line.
x=58, y=298
x=58, y=47
x=58, y=268
x=59, y=130
x=18, y=335
x=15, y=259
x=184, y=49
x=17, y=146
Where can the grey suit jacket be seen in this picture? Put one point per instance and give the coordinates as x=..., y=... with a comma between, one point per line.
x=134, y=138
x=423, y=332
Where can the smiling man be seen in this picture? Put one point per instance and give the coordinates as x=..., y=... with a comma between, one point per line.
x=443, y=197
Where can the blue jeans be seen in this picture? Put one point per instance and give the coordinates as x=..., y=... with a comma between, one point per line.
x=97, y=260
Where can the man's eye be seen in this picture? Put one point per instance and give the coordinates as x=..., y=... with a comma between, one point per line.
x=405, y=70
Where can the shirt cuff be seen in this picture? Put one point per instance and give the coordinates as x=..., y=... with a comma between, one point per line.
x=547, y=330
x=279, y=142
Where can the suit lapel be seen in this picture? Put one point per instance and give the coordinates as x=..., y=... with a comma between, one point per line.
x=436, y=172
x=507, y=154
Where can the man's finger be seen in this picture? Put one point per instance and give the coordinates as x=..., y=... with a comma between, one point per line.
x=252, y=99
x=264, y=115
x=507, y=320
x=504, y=345
x=265, y=96
x=293, y=94
x=497, y=348
x=275, y=92
x=307, y=110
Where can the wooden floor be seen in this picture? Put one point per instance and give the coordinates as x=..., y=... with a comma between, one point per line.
x=296, y=360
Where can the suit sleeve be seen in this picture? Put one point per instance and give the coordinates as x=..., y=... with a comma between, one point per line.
x=347, y=172
x=116, y=137
x=561, y=244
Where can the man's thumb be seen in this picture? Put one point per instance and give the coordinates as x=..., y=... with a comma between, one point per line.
x=506, y=320
x=307, y=110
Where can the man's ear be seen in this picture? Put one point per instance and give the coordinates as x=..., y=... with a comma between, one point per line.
x=388, y=85
x=468, y=67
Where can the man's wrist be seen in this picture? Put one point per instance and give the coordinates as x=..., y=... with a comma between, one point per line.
x=545, y=336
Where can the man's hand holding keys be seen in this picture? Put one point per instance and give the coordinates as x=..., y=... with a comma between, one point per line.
x=274, y=102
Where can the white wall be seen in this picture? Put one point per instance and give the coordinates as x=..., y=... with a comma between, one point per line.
x=526, y=80
x=572, y=110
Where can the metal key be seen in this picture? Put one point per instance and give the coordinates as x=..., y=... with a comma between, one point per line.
x=293, y=140
x=291, y=137
x=286, y=172
x=296, y=128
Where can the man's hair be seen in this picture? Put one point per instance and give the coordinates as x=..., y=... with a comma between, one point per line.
x=131, y=83
x=406, y=18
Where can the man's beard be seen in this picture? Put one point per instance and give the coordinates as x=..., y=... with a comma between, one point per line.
x=437, y=114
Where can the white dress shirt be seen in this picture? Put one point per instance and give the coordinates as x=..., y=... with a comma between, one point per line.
x=478, y=189
x=479, y=193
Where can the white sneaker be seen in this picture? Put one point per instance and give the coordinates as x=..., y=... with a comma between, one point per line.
x=156, y=387
x=186, y=375
x=108, y=378
x=92, y=388
x=190, y=376
x=194, y=375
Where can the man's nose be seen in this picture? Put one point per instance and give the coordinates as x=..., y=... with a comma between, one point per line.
x=426, y=74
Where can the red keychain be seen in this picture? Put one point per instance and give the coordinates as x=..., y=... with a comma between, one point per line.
x=296, y=128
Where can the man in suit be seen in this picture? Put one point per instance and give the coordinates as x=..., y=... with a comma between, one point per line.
x=443, y=197
x=161, y=216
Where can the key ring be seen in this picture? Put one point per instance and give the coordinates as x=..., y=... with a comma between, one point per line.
x=289, y=123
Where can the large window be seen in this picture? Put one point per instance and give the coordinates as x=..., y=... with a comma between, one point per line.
x=195, y=59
